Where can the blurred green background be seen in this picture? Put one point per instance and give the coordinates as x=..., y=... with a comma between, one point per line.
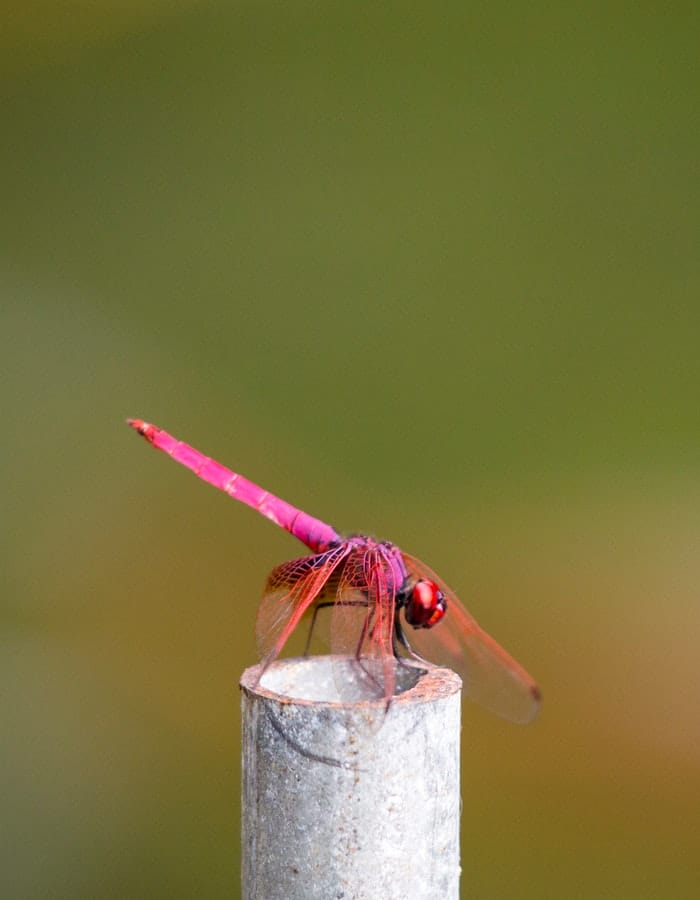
x=429, y=270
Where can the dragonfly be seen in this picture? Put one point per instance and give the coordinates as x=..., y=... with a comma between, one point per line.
x=384, y=602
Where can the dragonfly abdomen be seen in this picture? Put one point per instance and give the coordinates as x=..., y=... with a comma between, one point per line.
x=308, y=529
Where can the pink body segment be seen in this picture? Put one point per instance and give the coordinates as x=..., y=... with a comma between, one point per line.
x=309, y=530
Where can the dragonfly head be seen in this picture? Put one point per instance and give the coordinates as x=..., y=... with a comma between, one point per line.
x=425, y=604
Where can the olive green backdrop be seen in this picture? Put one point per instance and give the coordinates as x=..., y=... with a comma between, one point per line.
x=429, y=270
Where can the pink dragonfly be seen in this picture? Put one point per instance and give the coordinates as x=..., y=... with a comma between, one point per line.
x=376, y=590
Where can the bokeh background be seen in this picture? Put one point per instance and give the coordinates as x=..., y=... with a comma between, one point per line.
x=429, y=270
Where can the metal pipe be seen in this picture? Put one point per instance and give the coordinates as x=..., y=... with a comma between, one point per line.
x=349, y=799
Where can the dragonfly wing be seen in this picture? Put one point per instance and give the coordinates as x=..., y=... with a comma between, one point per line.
x=290, y=590
x=363, y=622
x=491, y=676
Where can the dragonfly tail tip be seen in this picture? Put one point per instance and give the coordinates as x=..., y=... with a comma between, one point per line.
x=143, y=428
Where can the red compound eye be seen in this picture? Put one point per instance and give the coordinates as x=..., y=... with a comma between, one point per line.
x=426, y=604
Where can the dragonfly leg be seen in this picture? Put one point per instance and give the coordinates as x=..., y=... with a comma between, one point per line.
x=399, y=639
x=365, y=628
x=365, y=664
x=325, y=605
x=313, y=623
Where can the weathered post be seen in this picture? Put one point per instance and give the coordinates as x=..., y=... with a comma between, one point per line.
x=347, y=799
